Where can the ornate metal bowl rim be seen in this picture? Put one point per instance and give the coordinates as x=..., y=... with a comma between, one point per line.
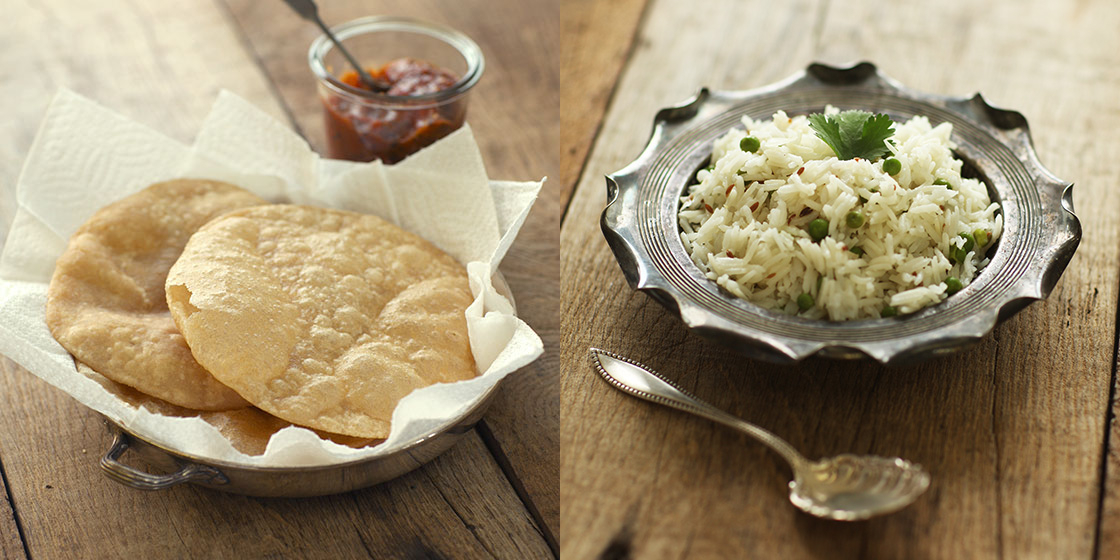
x=1041, y=232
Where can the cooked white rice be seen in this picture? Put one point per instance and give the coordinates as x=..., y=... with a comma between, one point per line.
x=746, y=223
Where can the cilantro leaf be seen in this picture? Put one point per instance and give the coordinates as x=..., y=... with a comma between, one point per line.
x=853, y=134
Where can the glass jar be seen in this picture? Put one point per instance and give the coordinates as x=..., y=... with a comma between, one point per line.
x=363, y=125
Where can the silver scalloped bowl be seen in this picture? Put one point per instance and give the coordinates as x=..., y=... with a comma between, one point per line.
x=1040, y=232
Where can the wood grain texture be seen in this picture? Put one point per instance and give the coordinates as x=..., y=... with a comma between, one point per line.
x=1012, y=429
x=11, y=542
x=163, y=63
x=513, y=113
x=599, y=38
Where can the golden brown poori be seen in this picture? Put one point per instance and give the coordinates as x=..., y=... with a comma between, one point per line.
x=106, y=302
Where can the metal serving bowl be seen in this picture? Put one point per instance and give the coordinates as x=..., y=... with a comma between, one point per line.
x=291, y=482
x=1039, y=237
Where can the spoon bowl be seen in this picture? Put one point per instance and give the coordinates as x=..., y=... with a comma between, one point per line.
x=854, y=487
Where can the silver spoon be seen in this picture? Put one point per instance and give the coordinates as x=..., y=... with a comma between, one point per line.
x=308, y=10
x=846, y=487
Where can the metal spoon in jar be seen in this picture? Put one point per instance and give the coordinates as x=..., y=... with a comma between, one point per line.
x=845, y=487
x=310, y=12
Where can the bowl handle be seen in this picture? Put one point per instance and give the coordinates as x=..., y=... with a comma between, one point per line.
x=140, y=480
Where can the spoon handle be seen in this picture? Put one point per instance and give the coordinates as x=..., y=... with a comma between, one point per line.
x=308, y=10
x=639, y=381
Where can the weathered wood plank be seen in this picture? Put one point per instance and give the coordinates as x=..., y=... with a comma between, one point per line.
x=599, y=38
x=162, y=63
x=11, y=542
x=1012, y=429
x=513, y=112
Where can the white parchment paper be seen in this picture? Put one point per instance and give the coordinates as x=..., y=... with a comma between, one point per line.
x=86, y=156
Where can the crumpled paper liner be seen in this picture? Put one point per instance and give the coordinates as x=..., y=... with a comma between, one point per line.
x=86, y=156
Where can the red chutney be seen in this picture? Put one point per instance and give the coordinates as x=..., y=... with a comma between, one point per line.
x=367, y=131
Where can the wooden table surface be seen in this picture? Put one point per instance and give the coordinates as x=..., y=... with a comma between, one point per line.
x=163, y=62
x=1018, y=431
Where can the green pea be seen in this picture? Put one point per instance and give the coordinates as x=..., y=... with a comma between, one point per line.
x=888, y=311
x=750, y=144
x=982, y=237
x=953, y=285
x=805, y=301
x=969, y=242
x=892, y=166
x=956, y=254
x=857, y=251
x=854, y=219
x=943, y=183
x=818, y=229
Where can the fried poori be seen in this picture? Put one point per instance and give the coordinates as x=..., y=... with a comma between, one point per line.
x=106, y=303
